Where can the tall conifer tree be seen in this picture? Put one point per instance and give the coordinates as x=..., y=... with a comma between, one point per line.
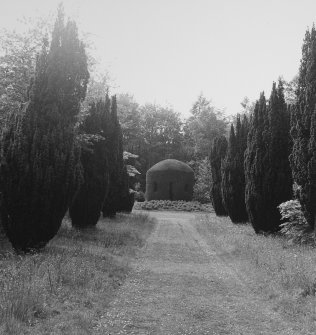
x=218, y=152
x=233, y=175
x=268, y=174
x=255, y=166
x=278, y=179
x=302, y=158
x=118, y=188
x=86, y=208
x=40, y=169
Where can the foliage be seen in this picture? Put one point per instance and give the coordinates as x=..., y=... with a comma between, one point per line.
x=233, y=174
x=247, y=107
x=295, y=227
x=217, y=154
x=130, y=119
x=303, y=129
x=152, y=132
x=179, y=205
x=115, y=156
x=202, y=186
x=17, y=64
x=126, y=195
x=255, y=167
x=267, y=170
x=203, y=126
x=139, y=196
x=86, y=207
x=290, y=88
x=119, y=197
x=40, y=170
x=161, y=130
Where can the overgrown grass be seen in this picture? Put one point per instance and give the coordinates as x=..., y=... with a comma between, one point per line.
x=64, y=289
x=283, y=272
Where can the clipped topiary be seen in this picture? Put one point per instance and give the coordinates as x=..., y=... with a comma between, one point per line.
x=169, y=179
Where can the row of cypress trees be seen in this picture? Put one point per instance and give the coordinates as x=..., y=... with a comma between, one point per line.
x=303, y=130
x=44, y=168
x=267, y=168
x=232, y=170
x=257, y=173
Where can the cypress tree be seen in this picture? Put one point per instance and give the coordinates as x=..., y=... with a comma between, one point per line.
x=86, y=208
x=233, y=175
x=112, y=202
x=255, y=167
x=302, y=157
x=41, y=169
x=217, y=154
x=278, y=180
x=267, y=169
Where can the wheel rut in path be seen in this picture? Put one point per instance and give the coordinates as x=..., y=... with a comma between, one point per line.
x=180, y=284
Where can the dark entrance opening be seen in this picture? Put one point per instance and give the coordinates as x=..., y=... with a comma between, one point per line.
x=170, y=191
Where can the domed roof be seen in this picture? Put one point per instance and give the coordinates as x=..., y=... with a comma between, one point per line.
x=171, y=165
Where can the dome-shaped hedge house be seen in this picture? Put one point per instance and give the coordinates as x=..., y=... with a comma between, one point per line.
x=169, y=180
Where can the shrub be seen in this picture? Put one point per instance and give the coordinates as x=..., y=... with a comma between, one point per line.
x=179, y=205
x=295, y=227
x=139, y=196
x=201, y=188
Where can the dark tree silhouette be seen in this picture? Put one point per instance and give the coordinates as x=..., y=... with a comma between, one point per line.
x=86, y=208
x=303, y=123
x=267, y=169
x=41, y=170
x=218, y=152
x=233, y=174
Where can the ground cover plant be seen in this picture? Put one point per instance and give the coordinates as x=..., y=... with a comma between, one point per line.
x=283, y=272
x=67, y=287
x=179, y=205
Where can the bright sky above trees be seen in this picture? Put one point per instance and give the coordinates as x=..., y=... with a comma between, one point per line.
x=169, y=51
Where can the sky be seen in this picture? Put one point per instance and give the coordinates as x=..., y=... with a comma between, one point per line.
x=169, y=51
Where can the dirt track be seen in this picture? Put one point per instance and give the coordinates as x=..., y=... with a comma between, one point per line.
x=184, y=283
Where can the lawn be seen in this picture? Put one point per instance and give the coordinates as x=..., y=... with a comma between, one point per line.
x=65, y=288
x=283, y=272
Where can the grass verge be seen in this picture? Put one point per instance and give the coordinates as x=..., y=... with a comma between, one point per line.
x=64, y=289
x=283, y=273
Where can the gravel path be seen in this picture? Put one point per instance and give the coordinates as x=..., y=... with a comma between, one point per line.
x=183, y=283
